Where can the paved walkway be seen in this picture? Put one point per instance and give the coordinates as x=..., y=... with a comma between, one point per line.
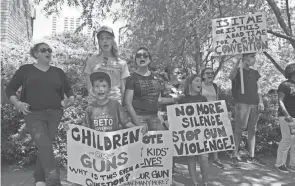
x=249, y=175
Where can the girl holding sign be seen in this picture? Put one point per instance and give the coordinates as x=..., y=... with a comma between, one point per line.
x=211, y=91
x=192, y=92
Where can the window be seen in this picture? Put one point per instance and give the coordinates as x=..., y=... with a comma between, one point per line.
x=66, y=24
x=54, y=23
x=72, y=24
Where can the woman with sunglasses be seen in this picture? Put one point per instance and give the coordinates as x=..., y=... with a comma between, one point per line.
x=42, y=103
x=143, y=93
x=108, y=61
x=211, y=91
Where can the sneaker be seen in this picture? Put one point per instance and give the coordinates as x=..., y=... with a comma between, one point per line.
x=282, y=168
x=218, y=164
x=235, y=163
x=256, y=161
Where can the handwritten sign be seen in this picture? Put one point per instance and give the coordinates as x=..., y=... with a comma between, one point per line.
x=103, y=158
x=241, y=34
x=200, y=128
x=156, y=166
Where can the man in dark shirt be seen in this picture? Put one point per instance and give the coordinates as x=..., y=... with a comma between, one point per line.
x=286, y=115
x=247, y=106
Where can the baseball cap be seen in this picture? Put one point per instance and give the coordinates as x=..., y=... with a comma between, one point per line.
x=106, y=29
x=100, y=76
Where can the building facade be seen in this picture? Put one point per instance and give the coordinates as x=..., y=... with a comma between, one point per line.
x=17, y=19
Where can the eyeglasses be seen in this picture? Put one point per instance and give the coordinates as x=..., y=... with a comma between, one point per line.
x=209, y=73
x=43, y=50
x=144, y=55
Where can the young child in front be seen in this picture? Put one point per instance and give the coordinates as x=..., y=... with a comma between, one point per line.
x=192, y=94
x=104, y=114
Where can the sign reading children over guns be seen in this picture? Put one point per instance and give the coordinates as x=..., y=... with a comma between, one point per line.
x=156, y=165
x=200, y=128
x=103, y=158
x=241, y=34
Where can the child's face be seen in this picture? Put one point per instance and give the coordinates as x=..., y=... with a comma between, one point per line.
x=101, y=89
x=197, y=85
x=250, y=59
x=105, y=41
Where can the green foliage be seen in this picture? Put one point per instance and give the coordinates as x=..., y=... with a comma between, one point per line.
x=70, y=53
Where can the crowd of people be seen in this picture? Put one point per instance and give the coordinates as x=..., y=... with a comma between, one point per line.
x=141, y=99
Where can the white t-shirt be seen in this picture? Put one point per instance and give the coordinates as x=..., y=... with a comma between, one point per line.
x=209, y=92
x=116, y=69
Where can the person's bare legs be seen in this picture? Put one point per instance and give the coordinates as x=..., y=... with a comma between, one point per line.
x=192, y=166
x=204, y=166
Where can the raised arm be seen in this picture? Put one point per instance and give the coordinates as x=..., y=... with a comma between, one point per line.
x=234, y=71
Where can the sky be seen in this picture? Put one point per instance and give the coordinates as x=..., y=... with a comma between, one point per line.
x=43, y=24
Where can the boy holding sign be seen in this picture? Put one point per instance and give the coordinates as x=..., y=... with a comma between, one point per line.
x=248, y=104
x=105, y=114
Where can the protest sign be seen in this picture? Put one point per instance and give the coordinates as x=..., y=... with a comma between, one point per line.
x=199, y=128
x=103, y=158
x=240, y=34
x=156, y=166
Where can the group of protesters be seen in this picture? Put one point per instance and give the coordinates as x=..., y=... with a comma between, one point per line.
x=145, y=99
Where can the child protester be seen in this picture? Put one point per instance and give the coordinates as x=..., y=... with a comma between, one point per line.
x=104, y=114
x=192, y=94
x=110, y=111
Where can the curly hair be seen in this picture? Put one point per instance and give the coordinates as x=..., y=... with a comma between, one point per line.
x=35, y=48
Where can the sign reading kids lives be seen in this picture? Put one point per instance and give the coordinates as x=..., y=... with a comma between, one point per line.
x=200, y=128
x=241, y=34
x=103, y=158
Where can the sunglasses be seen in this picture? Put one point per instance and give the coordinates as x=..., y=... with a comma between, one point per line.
x=43, y=50
x=209, y=73
x=145, y=55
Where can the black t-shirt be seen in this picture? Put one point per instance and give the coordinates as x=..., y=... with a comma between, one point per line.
x=147, y=90
x=250, y=95
x=41, y=90
x=288, y=88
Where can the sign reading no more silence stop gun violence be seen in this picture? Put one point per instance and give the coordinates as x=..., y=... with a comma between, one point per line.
x=240, y=34
x=103, y=158
x=199, y=128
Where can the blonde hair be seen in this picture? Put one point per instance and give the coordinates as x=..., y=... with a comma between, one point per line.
x=188, y=84
x=114, y=50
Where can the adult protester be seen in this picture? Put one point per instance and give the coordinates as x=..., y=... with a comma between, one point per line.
x=107, y=61
x=143, y=93
x=286, y=113
x=42, y=103
x=247, y=106
x=173, y=88
x=211, y=91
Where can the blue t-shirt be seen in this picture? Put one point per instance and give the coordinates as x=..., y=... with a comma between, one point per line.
x=105, y=118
